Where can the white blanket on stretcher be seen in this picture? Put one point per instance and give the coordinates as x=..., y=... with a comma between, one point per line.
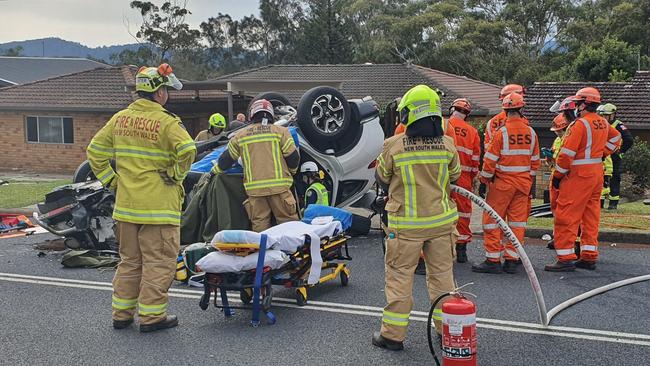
x=291, y=236
x=223, y=262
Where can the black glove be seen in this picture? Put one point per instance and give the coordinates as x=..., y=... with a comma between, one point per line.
x=556, y=182
x=482, y=189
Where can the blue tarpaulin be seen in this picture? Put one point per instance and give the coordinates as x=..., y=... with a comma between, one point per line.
x=339, y=214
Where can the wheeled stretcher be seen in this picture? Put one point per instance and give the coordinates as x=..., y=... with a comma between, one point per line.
x=303, y=265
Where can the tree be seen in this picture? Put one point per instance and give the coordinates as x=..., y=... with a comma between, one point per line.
x=144, y=55
x=13, y=52
x=165, y=27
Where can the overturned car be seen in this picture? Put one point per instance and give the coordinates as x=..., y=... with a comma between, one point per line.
x=343, y=137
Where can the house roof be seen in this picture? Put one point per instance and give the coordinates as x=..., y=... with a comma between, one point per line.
x=631, y=98
x=384, y=82
x=103, y=89
x=22, y=70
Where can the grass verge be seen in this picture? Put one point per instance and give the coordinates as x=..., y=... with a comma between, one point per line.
x=21, y=194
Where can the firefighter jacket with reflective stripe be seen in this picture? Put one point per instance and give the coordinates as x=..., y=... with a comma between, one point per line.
x=468, y=145
x=418, y=171
x=587, y=140
x=493, y=125
x=626, y=135
x=263, y=148
x=317, y=194
x=153, y=154
x=513, y=156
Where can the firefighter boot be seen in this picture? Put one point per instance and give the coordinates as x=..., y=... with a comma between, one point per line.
x=560, y=266
x=121, y=324
x=586, y=265
x=613, y=205
x=170, y=322
x=461, y=253
x=379, y=341
x=510, y=266
x=488, y=267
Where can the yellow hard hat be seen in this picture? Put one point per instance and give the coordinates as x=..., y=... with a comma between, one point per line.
x=419, y=102
x=150, y=79
x=217, y=120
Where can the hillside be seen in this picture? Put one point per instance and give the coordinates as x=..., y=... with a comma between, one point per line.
x=57, y=47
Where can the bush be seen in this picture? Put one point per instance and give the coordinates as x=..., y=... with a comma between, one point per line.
x=636, y=162
x=630, y=190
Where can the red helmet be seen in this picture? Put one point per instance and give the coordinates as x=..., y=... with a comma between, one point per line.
x=567, y=104
x=559, y=122
x=511, y=88
x=261, y=105
x=588, y=95
x=513, y=101
x=462, y=104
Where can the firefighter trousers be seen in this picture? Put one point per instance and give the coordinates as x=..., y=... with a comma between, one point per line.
x=148, y=263
x=615, y=180
x=513, y=204
x=464, y=206
x=578, y=205
x=403, y=249
x=261, y=209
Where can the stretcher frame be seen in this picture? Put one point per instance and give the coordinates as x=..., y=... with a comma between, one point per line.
x=256, y=286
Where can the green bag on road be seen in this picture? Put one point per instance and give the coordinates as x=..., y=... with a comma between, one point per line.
x=88, y=259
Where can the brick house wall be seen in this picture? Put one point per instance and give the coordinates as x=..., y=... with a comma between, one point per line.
x=19, y=154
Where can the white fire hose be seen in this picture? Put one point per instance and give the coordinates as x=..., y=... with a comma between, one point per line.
x=544, y=317
x=534, y=282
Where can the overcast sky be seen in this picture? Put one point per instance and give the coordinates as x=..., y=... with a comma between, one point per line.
x=96, y=22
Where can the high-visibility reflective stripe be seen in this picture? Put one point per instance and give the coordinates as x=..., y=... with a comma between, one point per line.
x=490, y=226
x=517, y=223
x=493, y=254
x=464, y=150
x=506, y=141
x=215, y=168
x=455, y=170
x=269, y=183
x=561, y=170
x=615, y=138
x=422, y=222
x=277, y=166
x=427, y=157
x=258, y=140
x=476, y=157
x=514, y=152
x=565, y=251
x=186, y=147
x=533, y=173
x=246, y=160
x=589, y=138
x=106, y=175
x=470, y=169
x=486, y=174
x=466, y=215
x=322, y=195
x=142, y=154
x=409, y=189
x=442, y=181
x=151, y=309
x=401, y=320
x=287, y=145
x=437, y=314
x=382, y=166
x=124, y=304
x=614, y=198
x=233, y=152
x=568, y=152
x=534, y=158
x=512, y=254
x=513, y=169
x=591, y=248
x=586, y=161
x=101, y=149
x=247, y=139
x=147, y=216
x=489, y=155
x=610, y=146
x=463, y=237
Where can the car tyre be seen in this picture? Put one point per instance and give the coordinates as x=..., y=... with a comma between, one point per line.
x=324, y=115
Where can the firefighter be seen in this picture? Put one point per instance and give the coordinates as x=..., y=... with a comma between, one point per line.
x=608, y=111
x=416, y=169
x=153, y=154
x=608, y=170
x=216, y=127
x=316, y=192
x=468, y=144
x=496, y=122
x=270, y=159
x=578, y=176
x=509, y=167
x=560, y=123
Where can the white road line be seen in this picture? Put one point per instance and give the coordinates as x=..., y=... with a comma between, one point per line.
x=351, y=309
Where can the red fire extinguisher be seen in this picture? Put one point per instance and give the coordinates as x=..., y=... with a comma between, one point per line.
x=458, y=331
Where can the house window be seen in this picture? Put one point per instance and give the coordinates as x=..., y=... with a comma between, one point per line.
x=53, y=130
